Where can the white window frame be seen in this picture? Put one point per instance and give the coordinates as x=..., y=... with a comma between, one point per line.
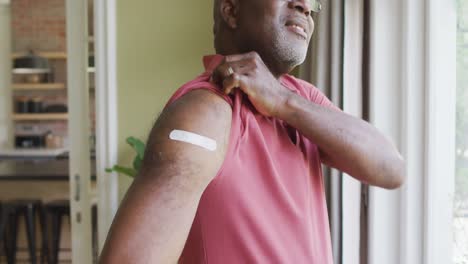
x=352, y=104
x=441, y=21
x=413, y=102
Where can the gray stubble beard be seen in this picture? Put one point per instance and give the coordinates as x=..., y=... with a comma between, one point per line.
x=293, y=55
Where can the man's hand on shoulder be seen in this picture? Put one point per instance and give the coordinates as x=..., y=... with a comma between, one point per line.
x=249, y=73
x=346, y=143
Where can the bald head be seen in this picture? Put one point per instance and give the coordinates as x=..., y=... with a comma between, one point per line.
x=279, y=31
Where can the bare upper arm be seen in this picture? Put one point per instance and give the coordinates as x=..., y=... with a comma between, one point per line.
x=201, y=112
x=164, y=196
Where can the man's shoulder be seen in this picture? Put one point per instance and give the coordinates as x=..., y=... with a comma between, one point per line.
x=303, y=87
x=309, y=91
x=299, y=82
x=199, y=102
x=200, y=83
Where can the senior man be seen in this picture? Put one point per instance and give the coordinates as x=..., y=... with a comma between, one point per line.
x=232, y=170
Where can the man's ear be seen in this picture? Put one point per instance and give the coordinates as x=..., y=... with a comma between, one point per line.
x=229, y=10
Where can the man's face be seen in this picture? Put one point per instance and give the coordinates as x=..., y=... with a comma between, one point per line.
x=279, y=30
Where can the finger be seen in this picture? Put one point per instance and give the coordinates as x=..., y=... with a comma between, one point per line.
x=239, y=63
x=232, y=82
x=224, y=70
x=217, y=75
x=227, y=69
x=243, y=67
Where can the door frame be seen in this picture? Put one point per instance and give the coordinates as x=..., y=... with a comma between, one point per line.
x=81, y=194
x=79, y=130
x=105, y=26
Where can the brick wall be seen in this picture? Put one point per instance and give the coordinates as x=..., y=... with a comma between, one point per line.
x=38, y=25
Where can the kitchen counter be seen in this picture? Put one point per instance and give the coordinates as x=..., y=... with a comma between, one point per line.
x=37, y=170
x=37, y=154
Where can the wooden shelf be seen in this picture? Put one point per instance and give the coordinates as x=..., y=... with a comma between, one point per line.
x=58, y=55
x=38, y=86
x=40, y=117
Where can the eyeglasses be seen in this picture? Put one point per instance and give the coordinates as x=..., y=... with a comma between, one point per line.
x=315, y=6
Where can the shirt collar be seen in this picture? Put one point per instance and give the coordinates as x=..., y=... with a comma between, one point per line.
x=212, y=61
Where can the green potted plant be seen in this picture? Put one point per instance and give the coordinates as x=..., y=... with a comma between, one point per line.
x=139, y=147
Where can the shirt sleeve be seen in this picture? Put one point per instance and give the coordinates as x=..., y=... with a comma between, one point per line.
x=316, y=96
x=201, y=82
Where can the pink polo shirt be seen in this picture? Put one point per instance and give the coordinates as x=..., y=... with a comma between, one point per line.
x=267, y=202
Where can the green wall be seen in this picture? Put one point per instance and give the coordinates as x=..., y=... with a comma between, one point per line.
x=160, y=46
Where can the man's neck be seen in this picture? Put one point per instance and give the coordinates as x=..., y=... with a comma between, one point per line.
x=226, y=52
x=227, y=47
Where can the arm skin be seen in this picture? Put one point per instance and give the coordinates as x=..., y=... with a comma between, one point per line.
x=345, y=142
x=154, y=219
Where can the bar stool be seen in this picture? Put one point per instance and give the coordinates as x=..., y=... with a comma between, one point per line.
x=58, y=210
x=10, y=213
x=3, y=235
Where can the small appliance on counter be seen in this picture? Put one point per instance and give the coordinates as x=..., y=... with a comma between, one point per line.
x=32, y=68
x=30, y=141
x=32, y=154
x=29, y=136
x=34, y=141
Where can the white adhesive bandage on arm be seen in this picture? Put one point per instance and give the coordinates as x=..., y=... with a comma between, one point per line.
x=192, y=138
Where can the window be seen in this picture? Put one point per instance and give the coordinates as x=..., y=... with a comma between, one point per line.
x=460, y=219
